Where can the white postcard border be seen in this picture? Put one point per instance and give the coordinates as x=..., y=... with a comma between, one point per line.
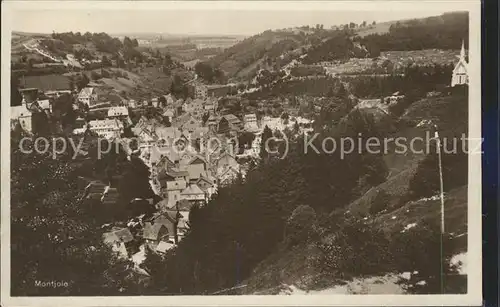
x=473, y=296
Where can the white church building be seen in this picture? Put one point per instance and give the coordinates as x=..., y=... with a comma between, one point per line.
x=460, y=75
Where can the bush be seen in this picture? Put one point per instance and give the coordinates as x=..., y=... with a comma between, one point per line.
x=420, y=250
x=300, y=225
x=356, y=250
x=425, y=182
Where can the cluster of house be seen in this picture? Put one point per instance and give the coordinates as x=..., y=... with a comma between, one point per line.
x=184, y=177
x=35, y=104
x=204, y=91
x=158, y=232
x=189, y=159
x=182, y=180
x=110, y=128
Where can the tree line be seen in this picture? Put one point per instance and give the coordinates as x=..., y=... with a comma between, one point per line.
x=442, y=32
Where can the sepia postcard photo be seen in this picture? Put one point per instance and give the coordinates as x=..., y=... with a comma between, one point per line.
x=278, y=153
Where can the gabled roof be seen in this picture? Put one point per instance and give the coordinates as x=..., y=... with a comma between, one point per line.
x=250, y=116
x=118, y=111
x=197, y=159
x=160, y=219
x=165, y=159
x=108, y=123
x=212, y=118
x=151, y=231
x=163, y=247
x=460, y=63
x=232, y=118
x=118, y=235
x=167, y=132
x=86, y=92
x=163, y=218
x=155, y=154
x=192, y=189
x=225, y=155
x=191, y=121
x=205, y=180
x=169, y=113
x=229, y=169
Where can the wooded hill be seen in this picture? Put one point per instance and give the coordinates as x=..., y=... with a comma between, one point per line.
x=273, y=49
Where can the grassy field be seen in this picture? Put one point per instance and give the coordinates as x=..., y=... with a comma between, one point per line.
x=422, y=57
x=379, y=28
x=399, y=59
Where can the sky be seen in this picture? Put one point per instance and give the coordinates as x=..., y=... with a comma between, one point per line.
x=194, y=21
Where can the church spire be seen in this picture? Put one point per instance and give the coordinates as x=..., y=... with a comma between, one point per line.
x=462, y=51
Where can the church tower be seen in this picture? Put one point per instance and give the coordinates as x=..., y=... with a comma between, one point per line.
x=460, y=75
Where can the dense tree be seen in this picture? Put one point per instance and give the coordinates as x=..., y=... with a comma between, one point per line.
x=245, y=139
x=135, y=182
x=81, y=81
x=209, y=73
x=338, y=47
x=127, y=42
x=205, y=117
x=300, y=225
x=105, y=61
x=15, y=95
x=63, y=112
x=266, y=134
x=441, y=32
x=167, y=60
x=54, y=229
x=178, y=87
x=162, y=101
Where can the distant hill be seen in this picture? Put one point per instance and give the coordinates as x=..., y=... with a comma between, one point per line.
x=273, y=49
x=71, y=49
x=438, y=32
x=266, y=50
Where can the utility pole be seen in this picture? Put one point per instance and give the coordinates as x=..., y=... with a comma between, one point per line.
x=438, y=140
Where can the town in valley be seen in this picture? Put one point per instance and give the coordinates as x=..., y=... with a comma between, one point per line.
x=182, y=183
